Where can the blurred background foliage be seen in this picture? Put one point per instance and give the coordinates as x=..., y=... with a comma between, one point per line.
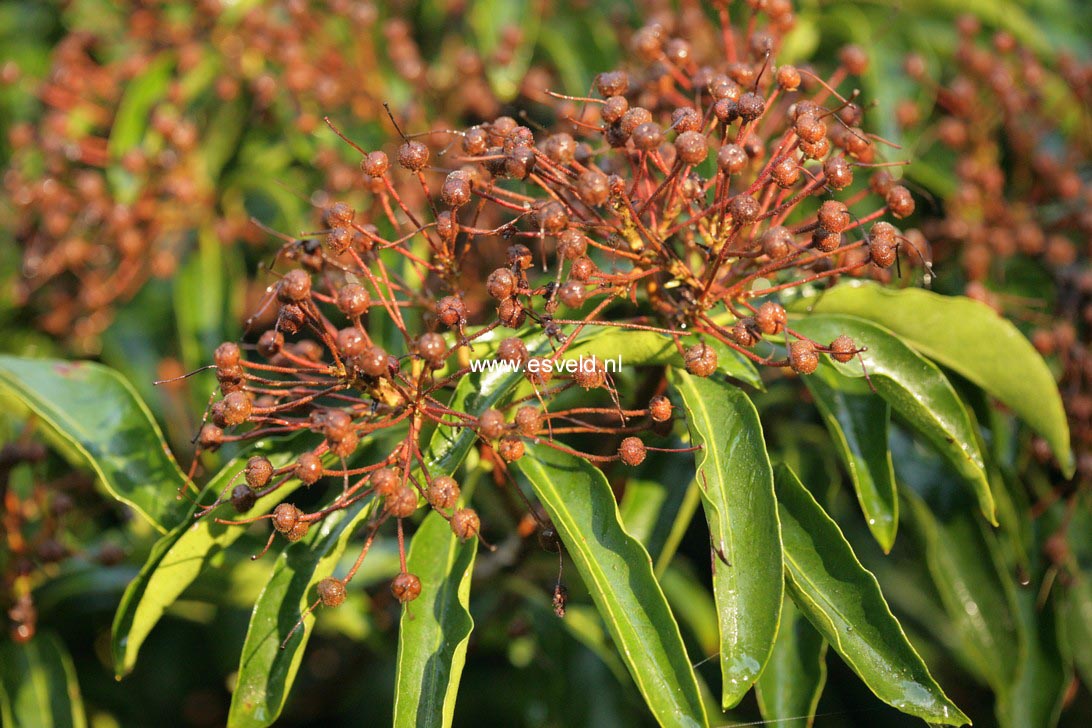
x=138, y=141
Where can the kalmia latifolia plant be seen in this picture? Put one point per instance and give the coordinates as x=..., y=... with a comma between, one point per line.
x=540, y=333
x=680, y=200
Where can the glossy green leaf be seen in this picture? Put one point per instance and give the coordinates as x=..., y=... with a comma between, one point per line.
x=964, y=560
x=1035, y=699
x=38, y=687
x=969, y=337
x=653, y=503
x=435, y=628
x=93, y=415
x=916, y=390
x=736, y=484
x=843, y=601
x=691, y=601
x=134, y=111
x=617, y=572
x=178, y=558
x=788, y=691
x=266, y=671
x=857, y=422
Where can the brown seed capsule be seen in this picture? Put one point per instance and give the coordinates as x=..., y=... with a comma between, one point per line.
x=402, y=503
x=528, y=420
x=838, y=173
x=227, y=355
x=825, y=240
x=700, y=359
x=308, y=468
x=375, y=164
x=571, y=244
x=331, y=591
x=583, y=268
x=346, y=446
x=510, y=448
x=374, y=361
x=751, y=106
x=731, y=159
x=501, y=283
x=745, y=332
x=686, y=118
x=353, y=299
x=432, y=348
x=632, y=451
x=659, y=408
x=810, y=128
x=834, y=216
x=298, y=531
x=648, y=137
x=744, y=209
x=442, y=492
x=491, y=424
x=771, y=318
x=882, y=254
x=612, y=83
x=592, y=187
x=210, y=437
x=776, y=242
x=511, y=313
x=788, y=78
x=572, y=294
x=519, y=257
x=285, y=517
x=614, y=109
x=413, y=155
x=455, y=191
x=243, y=498
x=384, y=481
x=258, y=472
x=899, y=201
x=237, y=408
x=785, y=172
x=843, y=349
x=560, y=599
x=350, y=342
x=512, y=350
x=692, y=147
x=465, y=524
x=294, y=287
x=270, y=343
x=802, y=356
x=406, y=587
x=451, y=311
x=590, y=374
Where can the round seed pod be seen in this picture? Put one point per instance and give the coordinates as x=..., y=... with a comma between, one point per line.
x=442, y=492
x=843, y=349
x=572, y=294
x=465, y=524
x=258, y=472
x=385, y=481
x=294, y=287
x=659, y=408
x=451, y=311
x=700, y=359
x=237, y=408
x=243, y=498
x=433, y=349
x=402, y=503
x=374, y=362
x=285, y=517
x=413, y=155
x=771, y=318
x=331, y=591
x=528, y=420
x=353, y=300
x=510, y=448
x=406, y=587
x=692, y=147
x=632, y=451
x=298, y=531
x=456, y=190
x=745, y=332
x=308, y=468
x=491, y=424
x=512, y=350
x=802, y=357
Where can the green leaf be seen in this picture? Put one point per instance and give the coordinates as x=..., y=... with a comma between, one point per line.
x=93, y=416
x=655, y=510
x=435, y=628
x=1079, y=625
x=857, y=423
x=736, y=483
x=134, y=111
x=618, y=574
x=788, y=691
x=964, y=560
x=38, y=685
x=1035, y=699
x=266, y=671
x=843, y=600
x=178, y=558
x=969, y=337
x=916, y=390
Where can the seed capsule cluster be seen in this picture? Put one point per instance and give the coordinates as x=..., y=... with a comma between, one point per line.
x=1023, y=198
x=679, y=200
